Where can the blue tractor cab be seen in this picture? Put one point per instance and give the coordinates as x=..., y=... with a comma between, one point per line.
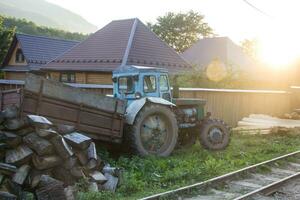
x=135, y=82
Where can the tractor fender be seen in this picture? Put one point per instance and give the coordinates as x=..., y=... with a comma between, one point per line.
x=134, y=108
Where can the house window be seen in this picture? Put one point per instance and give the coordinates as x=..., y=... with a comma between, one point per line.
x=67, y=77
x=19, y=56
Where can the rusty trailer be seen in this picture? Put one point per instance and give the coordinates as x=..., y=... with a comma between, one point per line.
x=99, y=116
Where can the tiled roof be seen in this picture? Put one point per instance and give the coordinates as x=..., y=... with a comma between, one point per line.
x=221, y=48
x=127, y=42
x=39, y=50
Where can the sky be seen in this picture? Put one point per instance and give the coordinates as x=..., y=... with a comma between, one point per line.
x=274, y=23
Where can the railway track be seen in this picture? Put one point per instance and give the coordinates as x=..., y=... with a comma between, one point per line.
x=258, y=181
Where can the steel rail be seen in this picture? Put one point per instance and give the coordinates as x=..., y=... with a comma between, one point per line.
x=223, y=178
x=269, y=189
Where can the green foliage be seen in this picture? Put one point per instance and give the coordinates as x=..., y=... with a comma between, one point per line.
x=28, y=27
x=181, y=30
x=44, y=13
x=6, y=36
x=10, y=26
x=250, y=47
x=198, y=78
x=146, y=176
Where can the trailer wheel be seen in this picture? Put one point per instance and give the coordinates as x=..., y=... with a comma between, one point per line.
x=214, y=134
x=154, y=131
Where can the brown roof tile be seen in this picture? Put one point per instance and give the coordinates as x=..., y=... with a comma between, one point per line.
x=105, y=49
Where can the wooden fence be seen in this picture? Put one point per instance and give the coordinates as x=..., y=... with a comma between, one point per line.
x=233, y=105
x=227, y=104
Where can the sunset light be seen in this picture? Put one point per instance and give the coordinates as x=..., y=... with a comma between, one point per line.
x=278, y=49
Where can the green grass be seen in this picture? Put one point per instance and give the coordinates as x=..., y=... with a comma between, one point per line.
x=146, y=176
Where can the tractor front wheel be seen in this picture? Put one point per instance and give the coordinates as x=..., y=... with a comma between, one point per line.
x=154, y=131
x=214, y=134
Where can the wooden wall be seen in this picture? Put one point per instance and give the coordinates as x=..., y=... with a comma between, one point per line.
x=15, y=75
x=233, y=105
x=12, y=60
x=87, y=77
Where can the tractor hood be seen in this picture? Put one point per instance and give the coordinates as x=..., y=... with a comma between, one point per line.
x=133, y=109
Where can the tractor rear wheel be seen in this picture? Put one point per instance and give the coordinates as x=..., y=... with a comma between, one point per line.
x=214, y=134
x=154, y=131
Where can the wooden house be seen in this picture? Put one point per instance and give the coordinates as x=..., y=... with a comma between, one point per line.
x=28, y=53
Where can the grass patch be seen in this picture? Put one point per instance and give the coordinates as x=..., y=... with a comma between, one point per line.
x=146, y=176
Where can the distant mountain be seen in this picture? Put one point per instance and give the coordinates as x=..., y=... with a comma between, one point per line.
x=47, y=14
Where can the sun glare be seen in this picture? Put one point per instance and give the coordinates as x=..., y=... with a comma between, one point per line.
x=279, y=50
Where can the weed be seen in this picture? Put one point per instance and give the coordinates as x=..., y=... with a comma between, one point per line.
x=146, y=176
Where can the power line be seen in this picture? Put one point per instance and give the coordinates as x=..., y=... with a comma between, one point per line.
x=255, y=8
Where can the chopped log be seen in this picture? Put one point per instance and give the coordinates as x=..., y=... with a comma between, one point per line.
x=91, y=151
x=63, y=175
x=65, y=129
x=115, y=171
x=34, y=178
x=69, y=193
x=3, y=137
x=1, y=179
x=15, y=189
x=21, y=174
x=46, y=133
x=78, y=140
x=12, y=139
x=39, y=121
x=19, y=155
x=70, y=162
x=14, y=124
x=82, y=157
x=98, y=177
x=93, y=187
x=93, y=161
x=10, y=112
x=111, y=183
x=7, y=169
x=1, y=118
x=24, y=131
x=77, y=172
x=38, y=144
x=50, y=189
x=3, y=147
x=46, y=162
x=7, y=196
x=61, y=147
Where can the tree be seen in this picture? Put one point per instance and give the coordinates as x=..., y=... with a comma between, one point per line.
x=250, y=47
x=181, y=30
x=6, y=36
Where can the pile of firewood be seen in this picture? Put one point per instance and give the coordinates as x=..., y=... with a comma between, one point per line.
x=47, y=160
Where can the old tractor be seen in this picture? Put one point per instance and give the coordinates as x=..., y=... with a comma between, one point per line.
x=156, y=122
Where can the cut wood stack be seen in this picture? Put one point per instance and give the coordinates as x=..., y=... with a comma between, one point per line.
x=45, y=159
x=265, y=124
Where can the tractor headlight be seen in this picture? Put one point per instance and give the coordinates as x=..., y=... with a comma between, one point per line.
x=137, y=95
